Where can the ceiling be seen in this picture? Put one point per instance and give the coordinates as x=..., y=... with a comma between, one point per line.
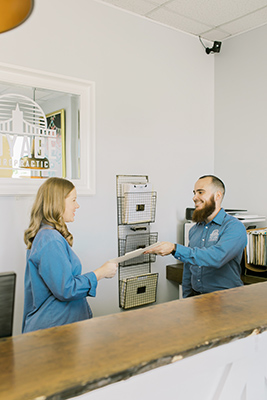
x=213, y=20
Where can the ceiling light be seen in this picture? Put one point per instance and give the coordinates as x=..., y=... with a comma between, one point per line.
x=14, y=13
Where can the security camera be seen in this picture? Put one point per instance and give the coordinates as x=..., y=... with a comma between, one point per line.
x=215, y=48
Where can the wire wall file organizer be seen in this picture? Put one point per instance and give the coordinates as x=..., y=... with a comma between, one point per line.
x=136, y=209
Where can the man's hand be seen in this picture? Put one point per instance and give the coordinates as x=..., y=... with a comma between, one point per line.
x=162, y=249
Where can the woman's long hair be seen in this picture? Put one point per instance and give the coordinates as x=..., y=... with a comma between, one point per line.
x=48, y=208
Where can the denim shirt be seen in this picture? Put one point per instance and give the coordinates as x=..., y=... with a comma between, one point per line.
x=55, y=288
x=212, y=260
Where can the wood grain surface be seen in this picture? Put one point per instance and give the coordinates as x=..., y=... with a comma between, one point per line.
x=62, y=362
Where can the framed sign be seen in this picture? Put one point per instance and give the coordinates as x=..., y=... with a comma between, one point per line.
x=56, y=121
x=36, y=141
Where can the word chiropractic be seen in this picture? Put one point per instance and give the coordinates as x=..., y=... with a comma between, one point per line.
x=27, y=152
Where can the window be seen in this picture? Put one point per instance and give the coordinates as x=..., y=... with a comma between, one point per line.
x=46, y=129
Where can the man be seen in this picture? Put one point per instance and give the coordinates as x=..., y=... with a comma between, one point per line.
x=216, y=243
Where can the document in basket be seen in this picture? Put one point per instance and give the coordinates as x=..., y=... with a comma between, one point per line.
x=133, y=254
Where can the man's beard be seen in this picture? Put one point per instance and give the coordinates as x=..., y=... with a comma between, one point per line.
x=203, y=213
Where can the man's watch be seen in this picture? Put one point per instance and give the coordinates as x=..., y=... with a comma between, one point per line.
x=174, y=251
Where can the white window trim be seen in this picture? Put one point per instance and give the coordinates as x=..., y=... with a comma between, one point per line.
x=83, y=88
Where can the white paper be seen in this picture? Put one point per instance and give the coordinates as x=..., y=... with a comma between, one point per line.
x=133, y=254
x=137, y=188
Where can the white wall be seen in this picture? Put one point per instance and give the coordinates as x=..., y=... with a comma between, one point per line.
x=233, y=371
x=154, y=116
x=240, y=120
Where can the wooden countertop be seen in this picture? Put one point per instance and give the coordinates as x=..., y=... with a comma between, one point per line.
x=62, y=362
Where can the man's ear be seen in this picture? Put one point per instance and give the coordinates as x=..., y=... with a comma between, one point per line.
x=218, y=196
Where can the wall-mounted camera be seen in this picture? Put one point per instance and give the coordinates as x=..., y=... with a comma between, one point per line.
x=215, y=48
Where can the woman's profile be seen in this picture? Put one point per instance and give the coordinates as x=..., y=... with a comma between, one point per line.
x=55, y=288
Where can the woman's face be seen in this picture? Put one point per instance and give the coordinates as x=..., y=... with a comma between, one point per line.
x=71, y=206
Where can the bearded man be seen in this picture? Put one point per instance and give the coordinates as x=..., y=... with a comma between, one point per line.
x=216, y=243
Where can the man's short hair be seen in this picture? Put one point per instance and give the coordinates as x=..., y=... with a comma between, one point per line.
x=217, y=182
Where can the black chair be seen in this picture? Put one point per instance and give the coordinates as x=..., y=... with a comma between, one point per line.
x=7, y=300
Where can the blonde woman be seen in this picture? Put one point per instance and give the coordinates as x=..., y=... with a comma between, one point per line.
x=55, y=289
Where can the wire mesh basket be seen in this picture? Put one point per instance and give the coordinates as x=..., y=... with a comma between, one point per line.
x=135, y=242
x=137, y=208
x=139, y=290
x=134, y=270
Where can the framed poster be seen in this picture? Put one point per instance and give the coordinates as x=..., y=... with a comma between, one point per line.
x=56, y=121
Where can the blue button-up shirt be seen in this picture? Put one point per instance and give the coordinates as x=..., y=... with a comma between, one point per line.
x=55, y=288
x=212, y=260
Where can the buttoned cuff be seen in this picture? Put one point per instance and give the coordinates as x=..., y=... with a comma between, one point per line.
x=174, y=251
x=93, y=283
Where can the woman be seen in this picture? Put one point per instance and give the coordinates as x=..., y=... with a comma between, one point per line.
x=55, y=290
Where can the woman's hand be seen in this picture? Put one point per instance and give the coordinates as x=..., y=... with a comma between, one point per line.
x=107, y=270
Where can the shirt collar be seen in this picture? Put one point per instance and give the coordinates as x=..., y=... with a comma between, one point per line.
x=218, y=219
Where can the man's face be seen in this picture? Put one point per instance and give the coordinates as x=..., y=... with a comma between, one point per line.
x=204, y=199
